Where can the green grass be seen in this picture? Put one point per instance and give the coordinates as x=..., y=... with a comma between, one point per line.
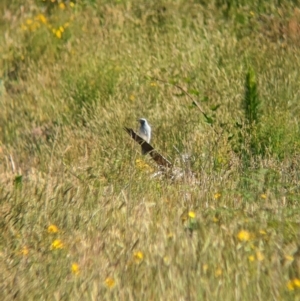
x=73, y=76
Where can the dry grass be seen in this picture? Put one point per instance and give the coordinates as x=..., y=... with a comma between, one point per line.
x=81, y=217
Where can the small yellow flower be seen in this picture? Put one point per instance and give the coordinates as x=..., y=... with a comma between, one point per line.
x=52, y=229
x=29, y=21
x=41, y=18
x=215, y=219
x=243, y=235
x=75, y=268
x=192, y=214
x=251, y=13
x=57, y=244
x=132, y=97
x=58, y=33
x=297, y=282
x=61, y=29
x=153, y=84
x=263, y=196
x=72, y=4
x=251, y=258
x=110, y=282
x=61, y=5
x=262, y=232
x=293, y=284
x=217, y=195
x=24, y=251
x=138, y=257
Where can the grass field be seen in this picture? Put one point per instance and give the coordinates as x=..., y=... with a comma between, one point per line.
x=81, y=217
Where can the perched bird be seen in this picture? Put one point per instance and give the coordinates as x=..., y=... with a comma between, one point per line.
x=147, y=148
x=166, y=168
x=144, y=130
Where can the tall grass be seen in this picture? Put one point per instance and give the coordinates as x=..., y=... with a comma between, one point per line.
x=81, y=215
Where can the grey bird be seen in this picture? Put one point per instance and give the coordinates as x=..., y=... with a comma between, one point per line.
x=166, y=167
x=144, y=130
x=147, y=148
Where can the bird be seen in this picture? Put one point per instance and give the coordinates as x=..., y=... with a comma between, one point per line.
x=147, y=148
x=144, y=130
x=166, y=168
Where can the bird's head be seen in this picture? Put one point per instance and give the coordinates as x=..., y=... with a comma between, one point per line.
x=142, y=121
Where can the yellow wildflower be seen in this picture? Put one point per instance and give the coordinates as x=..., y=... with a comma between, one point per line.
x=29, y=21
x=217, y=195
x=41, y=18
x=52, y=229
x=263, y=196
x=251, y=258
x=57, y=244
x=61, y=28
x=243, y=235
x=132, y=97
x=297, y=282
x=138, y=257
x=24, y=251
x=153, y=84
x=293, y=283
x=61, y=5
x=192, y=214
x=75, y=268
x=58, y=33
x=72, y=4
x=110, y=282
x=262, y=232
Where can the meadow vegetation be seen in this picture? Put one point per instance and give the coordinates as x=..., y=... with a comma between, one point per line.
x=81, y=217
